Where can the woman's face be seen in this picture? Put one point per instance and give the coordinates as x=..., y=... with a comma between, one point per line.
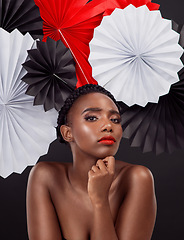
x=92, y=117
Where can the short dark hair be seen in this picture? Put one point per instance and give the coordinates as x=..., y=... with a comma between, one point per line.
x=88, y=88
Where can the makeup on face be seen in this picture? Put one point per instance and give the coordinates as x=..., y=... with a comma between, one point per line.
x=92, y=116
x=94, y=113
x=108, y=140
x=96, y=126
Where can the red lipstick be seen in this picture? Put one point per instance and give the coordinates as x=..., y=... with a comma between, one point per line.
x=108, y=140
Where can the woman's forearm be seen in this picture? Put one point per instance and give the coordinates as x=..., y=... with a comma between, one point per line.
x=103, y=225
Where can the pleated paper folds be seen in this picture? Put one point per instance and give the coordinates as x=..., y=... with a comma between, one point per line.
x=158, y=127
x=21, y=14
x=135, y=54
x=25, y=130
x=51, y=74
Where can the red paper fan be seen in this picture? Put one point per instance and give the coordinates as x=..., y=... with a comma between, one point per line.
x=112, y=4
x=73, y=22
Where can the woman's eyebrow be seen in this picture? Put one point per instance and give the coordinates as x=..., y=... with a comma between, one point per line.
x=114, y=112
x=98, y=110
x=92, y=110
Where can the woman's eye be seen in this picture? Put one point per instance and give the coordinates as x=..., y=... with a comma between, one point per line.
x=116, y=120
x=91, y=118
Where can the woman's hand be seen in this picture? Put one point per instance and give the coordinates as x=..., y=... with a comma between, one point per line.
x=100, y=178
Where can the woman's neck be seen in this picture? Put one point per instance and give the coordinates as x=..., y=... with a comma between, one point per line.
x=78, y=173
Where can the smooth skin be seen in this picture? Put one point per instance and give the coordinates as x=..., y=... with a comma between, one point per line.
x=96, y=197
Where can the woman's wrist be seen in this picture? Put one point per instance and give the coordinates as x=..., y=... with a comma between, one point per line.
x=100, y=203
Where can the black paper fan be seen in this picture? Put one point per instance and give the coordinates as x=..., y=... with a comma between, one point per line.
x=158, y=127
x=180, y=29
x=21, y=14
x=51, y=74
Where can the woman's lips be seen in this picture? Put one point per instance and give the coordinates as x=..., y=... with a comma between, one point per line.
x=108, y=140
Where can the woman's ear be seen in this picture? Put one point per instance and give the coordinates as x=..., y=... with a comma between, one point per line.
x=66, y=133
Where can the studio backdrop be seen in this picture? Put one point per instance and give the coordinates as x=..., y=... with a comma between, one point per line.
x=167, y=165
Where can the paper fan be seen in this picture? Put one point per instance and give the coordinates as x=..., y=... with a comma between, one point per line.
x=51, y=74
x=25, y=130
x=21, y=14
x=180, y=29
x=135, y=54
x=112, y=4
x=73, y=22
x=158, y=127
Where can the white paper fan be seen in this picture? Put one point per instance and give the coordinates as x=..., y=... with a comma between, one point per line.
x=25, y=130
x=135, y=54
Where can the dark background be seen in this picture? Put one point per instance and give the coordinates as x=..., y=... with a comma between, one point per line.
x=168, y=171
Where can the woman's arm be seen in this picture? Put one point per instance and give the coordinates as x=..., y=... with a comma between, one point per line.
x=137, y=213
x=41, y=216
x=99, y=182
x=103, y=226
x=136, y=218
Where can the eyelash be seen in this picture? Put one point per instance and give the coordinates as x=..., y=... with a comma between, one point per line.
x=114, y=120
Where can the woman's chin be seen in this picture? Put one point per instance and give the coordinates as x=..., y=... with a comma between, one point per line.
x=104, y=154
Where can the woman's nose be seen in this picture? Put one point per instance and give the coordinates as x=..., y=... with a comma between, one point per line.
x=107, y=126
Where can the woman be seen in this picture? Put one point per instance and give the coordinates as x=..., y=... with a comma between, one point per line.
x=96, y=197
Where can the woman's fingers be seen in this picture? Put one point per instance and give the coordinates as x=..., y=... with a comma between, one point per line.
x=102, y=166
x=100, y=179
x=95, y=168
x=110, y=164
x=105, y=165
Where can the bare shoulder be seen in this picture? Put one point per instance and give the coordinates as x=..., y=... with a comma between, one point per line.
x=133, y=171
x=47, y=173
x=42, y=219
x=131, y=175
x=139, y=174
x=138, y=200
